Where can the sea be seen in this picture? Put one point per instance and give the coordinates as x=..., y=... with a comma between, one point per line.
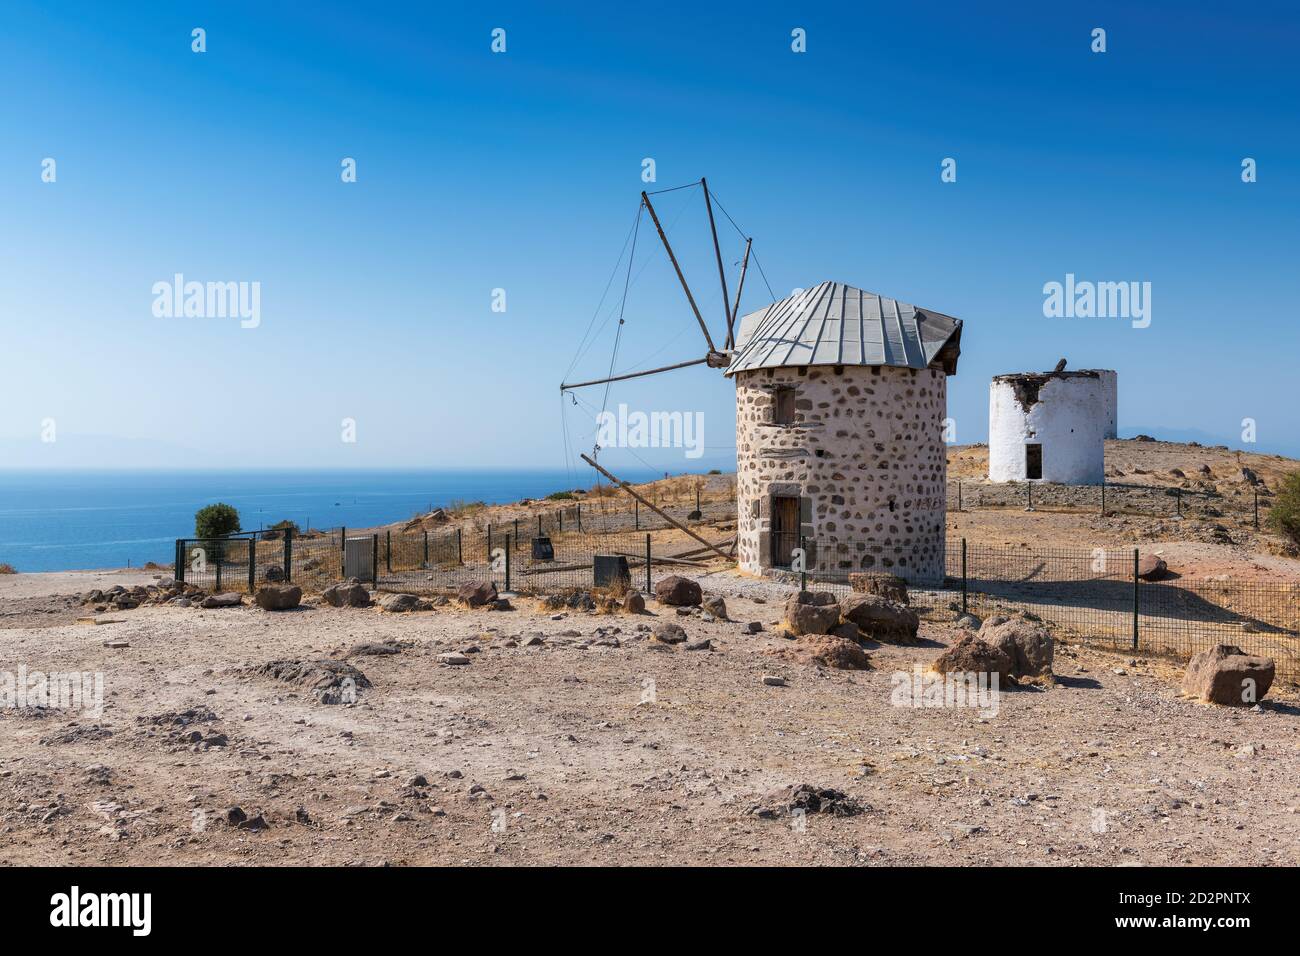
x=74, y=520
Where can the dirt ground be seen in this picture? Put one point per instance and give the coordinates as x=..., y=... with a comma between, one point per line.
x=576, y=738
x=599, y=745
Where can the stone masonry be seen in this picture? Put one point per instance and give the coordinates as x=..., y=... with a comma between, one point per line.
x=866, y=457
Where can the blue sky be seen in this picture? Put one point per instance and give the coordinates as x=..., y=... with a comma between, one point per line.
x=522, y=170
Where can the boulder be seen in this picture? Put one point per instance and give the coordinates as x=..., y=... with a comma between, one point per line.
x=348, y=594
x=477, y=593
x=1029, y=645
x=1151, y=567
x=278, y=597
x=812, y=612
x=401, y=603
x=678, y=591
x=886, y=585
x=716, y=606
x=880, y=618
x=633, y=603
x=825, y=650
x=670, y=633
x=970, y=655
x=1228, y=675
x=229, y=599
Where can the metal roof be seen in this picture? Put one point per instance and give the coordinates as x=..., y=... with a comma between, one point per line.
x=836, y=324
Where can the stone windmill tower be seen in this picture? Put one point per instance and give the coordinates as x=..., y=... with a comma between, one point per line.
x=841, y=399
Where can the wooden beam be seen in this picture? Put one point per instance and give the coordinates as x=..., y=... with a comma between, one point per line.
x=717, y=252
x=744, y=266
x=645, y=198
x=663, y=514
x=625, y=377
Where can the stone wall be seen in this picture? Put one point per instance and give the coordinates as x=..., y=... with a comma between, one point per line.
x=866, y=456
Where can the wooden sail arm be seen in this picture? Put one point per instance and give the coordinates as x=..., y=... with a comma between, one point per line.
x=717, y=252
x=663, y=514
x=735, y=311
x=645, y=198
x=649, y=371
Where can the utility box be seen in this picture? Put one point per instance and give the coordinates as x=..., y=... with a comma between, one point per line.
x=359, y=558
x=610, y=570
x=543, y=550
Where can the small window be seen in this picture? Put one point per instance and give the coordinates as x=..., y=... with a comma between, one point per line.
x=783, y=406
x=1033, y=461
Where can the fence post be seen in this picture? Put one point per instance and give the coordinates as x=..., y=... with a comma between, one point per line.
x=963, y=575
x=648, y=589
x=1029, y=488
x=1103, y=497
x=388, y=550
x=460, y=554
x=288, y=555
x=516, y=531
x=426, y=547
x=252, y=564
x=489, y=545
x=1135, y=599
x=959, y=496
x=637, y=512
x=343, y=550
x=180, y=560
x=1257, y=511
x=560, y=513
x=539, y=526
x=374, y=560
x=1178, y=501
x=507, y=562
x=579, y=517
x=803, y=565
x=217, y=561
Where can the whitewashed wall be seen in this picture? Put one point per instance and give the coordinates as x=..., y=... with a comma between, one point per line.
x=1070, y=420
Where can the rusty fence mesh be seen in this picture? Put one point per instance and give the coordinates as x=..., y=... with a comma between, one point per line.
x=1096, y=596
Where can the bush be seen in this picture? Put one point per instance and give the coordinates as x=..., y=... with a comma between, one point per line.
x=561, y=496
x=274, y=532
x=7, y=569
x=1284, y=516
x=215, y=521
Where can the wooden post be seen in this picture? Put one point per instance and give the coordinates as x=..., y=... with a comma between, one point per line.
x=647, y=565
x=343, y=550
x=1135, y=599
x=963, y=575
x=288, y=555
x=252, y=564
x=671, y=520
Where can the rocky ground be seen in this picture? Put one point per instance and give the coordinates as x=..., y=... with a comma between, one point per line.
x=572, y=737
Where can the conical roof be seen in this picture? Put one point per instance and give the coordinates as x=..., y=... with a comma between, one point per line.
x=837, y=324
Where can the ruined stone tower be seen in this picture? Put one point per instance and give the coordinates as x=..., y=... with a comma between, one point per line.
x=1051, y=426
x=841, y=400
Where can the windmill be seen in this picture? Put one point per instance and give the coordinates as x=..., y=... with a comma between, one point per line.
x=841, y=405
x=714, y=357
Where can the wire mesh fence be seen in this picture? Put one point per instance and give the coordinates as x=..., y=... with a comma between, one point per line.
x=524, y=557
x=1110, y=499
x=1097, y=596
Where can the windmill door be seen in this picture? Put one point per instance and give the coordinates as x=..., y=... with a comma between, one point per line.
x=785, y=530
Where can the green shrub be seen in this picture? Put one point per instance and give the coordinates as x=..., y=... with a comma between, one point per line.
x=1284, y=516
x=215, y=521
x=561, y=496
x=274, y=532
